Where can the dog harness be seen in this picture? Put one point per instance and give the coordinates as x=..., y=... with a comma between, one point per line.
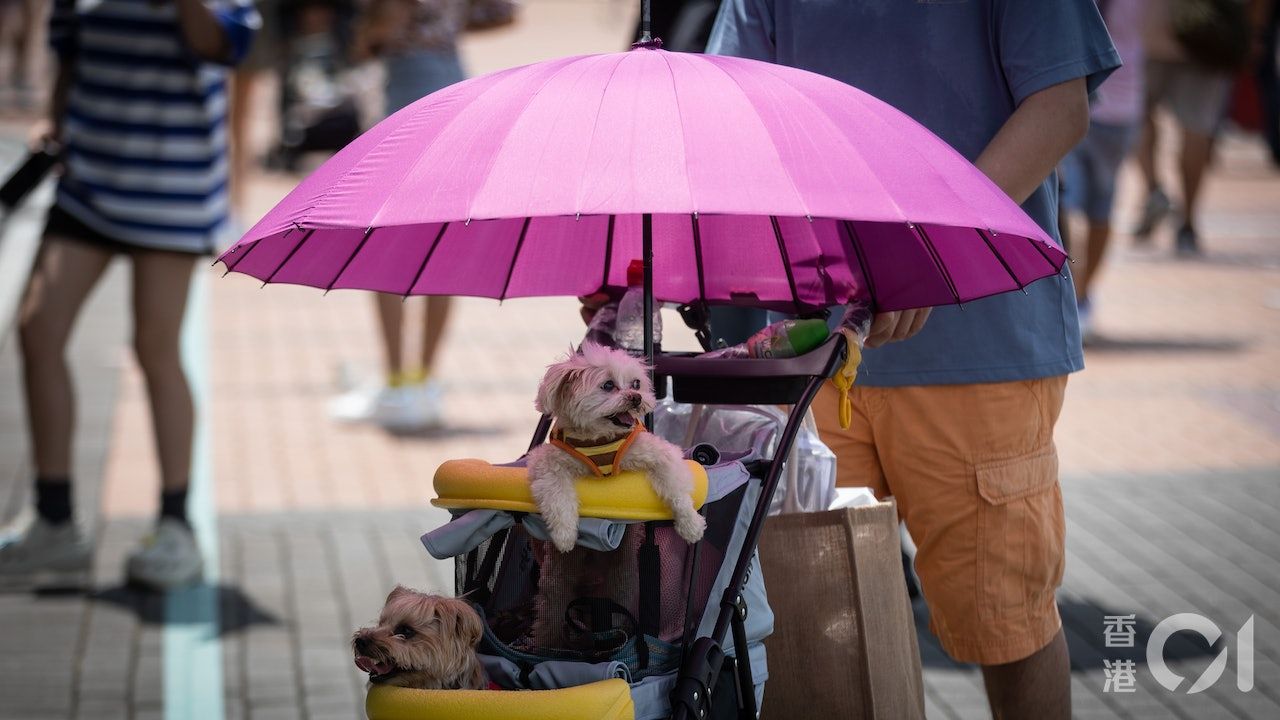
x=600, y=459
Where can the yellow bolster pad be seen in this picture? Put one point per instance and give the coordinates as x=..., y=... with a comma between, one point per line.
x=473, y=484
x=603, y=700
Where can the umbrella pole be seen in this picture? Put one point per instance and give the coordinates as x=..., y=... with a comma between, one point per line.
x=646, y=257
x=645, y=35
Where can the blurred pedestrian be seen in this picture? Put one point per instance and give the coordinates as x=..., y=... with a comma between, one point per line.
x=416, y=40
x=18, y=25
x=1267, y=71
x=139, y=106
x=1193, y=48
x=263, y=59
x=957, y=422
x=1091, y=168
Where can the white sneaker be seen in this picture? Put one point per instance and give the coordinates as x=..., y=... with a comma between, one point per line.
x=410, y=407
x=167, y=559
x=46, y=555
x=356, y=405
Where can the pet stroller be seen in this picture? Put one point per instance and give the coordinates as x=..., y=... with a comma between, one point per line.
x=684, y=638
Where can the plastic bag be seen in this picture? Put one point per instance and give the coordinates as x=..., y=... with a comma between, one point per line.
x=750, y=432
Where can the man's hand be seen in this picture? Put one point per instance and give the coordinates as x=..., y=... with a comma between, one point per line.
x=896, y=326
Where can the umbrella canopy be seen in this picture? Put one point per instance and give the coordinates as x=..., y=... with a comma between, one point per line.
x=768, y=186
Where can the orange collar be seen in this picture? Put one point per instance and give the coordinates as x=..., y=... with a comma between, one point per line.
x=602, y=460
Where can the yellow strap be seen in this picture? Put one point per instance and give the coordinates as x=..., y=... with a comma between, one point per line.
x=845, y=376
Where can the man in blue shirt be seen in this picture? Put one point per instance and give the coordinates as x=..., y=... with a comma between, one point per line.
x=957, y=422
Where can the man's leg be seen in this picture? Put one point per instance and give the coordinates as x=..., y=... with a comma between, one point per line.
x=1037, y=687
x=974, y=472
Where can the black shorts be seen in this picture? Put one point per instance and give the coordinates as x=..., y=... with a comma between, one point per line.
x=63, y=224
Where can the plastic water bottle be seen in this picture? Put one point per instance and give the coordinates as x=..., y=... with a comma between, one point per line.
x=629, y=328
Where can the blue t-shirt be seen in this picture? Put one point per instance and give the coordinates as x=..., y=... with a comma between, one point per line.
x=959, y=67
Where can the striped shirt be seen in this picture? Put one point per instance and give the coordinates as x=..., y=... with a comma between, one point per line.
x=145, y=131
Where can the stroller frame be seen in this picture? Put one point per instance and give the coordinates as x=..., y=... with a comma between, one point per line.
x=737, y=381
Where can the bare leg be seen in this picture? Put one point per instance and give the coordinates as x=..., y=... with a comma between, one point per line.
x=1146, y=154
x=1036, y=688
x=243, y=84
x=161, y=284
x=1098, y=236
x=1197, y=148
x=65, y=273
x=390, y=322
x=437, y=318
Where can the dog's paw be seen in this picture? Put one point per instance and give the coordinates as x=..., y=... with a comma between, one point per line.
x=690, y=526
x=564, y=537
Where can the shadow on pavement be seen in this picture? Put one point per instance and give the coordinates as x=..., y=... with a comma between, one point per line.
x=1085, y=623
x=1114, y=344
x=450, y=432
x=235, y=611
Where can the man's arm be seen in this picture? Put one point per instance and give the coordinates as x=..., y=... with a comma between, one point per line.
x=1041, y=131
x=1028, y=146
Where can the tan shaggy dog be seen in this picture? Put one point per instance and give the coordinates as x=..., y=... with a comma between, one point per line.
x=422, y=641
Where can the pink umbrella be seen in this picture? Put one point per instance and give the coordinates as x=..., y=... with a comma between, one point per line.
x=766, y=186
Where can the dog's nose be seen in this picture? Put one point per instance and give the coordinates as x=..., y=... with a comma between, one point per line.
x=362, y=645
x=634, y=399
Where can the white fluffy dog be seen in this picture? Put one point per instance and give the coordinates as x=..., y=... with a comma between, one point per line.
x=598, y=399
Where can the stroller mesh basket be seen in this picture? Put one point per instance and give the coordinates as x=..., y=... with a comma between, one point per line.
x=636, y=604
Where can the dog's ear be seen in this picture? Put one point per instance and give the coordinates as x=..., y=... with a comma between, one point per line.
x=558, y=379
x=466, y=621
x=396, y=592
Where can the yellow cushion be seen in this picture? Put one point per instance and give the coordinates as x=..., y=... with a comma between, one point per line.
x=604, y=700
x=470, y=484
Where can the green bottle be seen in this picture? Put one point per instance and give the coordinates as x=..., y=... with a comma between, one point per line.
x=787, y=338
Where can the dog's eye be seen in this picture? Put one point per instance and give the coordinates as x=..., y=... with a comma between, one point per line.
x=608, y=386
x=404, y=632
x=635, y=384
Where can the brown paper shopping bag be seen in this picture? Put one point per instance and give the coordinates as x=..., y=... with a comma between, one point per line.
x=844, y=643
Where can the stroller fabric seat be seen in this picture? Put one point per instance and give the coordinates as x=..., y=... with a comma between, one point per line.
x=476, y=484
x=604, y=700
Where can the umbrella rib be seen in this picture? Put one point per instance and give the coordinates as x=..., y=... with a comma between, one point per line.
x=697, y=256
x=232, y=266
x=608, y=252
x=511, y=269
x=1056, y=269
x=426, y=259
x=289, y=257
x=352, y=256
x=937, y=260
x=992, y=248
x=786, y=261
x=856, y=245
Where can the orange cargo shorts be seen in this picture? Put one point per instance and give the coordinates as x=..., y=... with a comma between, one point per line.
x=975, y=474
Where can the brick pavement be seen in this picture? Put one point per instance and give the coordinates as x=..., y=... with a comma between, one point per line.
x=1170, y=445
